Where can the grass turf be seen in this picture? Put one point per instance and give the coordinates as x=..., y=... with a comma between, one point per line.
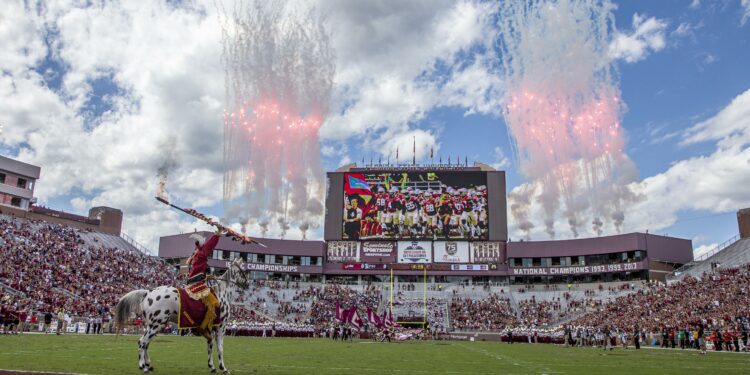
x=187, y=355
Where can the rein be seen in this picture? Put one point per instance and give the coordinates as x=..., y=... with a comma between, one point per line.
x=225, y=278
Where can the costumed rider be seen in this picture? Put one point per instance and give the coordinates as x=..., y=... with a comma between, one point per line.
x=196, y=287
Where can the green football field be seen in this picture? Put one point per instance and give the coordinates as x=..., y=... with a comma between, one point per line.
x=187, y=355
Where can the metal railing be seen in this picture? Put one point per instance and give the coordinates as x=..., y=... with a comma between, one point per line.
x=136, y=244
x=705, y=255
x=717, y=249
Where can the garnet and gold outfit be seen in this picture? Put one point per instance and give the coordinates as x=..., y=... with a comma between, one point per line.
x=196, y=285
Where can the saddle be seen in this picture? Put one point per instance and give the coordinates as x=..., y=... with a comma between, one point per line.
x=192, y=312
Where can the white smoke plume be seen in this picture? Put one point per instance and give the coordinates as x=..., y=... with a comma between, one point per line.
x=563, y=110
x=168, y=164
x=279, y=78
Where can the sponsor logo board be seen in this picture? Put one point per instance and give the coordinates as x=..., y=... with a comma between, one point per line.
x=342, y=251
x=451, y=252
x=414, y=252
x=485, y=252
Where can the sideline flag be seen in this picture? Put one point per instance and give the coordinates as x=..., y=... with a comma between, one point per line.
x=339, y=317
x=354, y=318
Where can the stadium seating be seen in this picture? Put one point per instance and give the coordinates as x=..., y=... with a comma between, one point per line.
x=51, y=266
x=47, y=266
x=717, y=299
x=734, y=255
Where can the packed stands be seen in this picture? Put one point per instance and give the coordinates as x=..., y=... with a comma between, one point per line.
x=51, y=266
x=46, y=266
x=492, y=313
x=717, y=299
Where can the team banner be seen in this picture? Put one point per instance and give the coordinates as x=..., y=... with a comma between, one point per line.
x=451, y=252
x=378, y=252
x=343, y=251
x=485, y=252
x=414, y=252
x=578, y=270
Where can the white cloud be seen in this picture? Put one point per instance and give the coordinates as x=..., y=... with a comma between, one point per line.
x=163, y=59
x=695, y=4
x=166, y=63
x=703, y=249
x=647, y=36
x=731, y=125
x=500, y=161
x=387, y=62
x=684, y=29
x=713, y=183
x=745, y=11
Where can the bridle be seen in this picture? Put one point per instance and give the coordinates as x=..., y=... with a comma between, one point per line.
x=227, y=278
x=242, y=283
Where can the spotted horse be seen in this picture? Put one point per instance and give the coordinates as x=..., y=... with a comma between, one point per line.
x=160, y=306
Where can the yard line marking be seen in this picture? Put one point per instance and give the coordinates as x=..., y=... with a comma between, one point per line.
x=498, y=356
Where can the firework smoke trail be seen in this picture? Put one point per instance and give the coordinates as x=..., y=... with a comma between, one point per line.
x=563, y=111
x=168, y=163
x=279, y=77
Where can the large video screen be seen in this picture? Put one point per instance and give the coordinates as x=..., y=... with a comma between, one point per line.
x=415, y=205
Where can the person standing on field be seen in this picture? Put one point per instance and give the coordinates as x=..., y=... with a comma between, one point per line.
x=60, y=320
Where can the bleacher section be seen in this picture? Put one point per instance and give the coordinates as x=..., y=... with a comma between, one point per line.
x=732, y=256
x=106, y=240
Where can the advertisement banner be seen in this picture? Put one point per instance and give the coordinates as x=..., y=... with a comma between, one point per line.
x=485, y=252
x=414, y=252
x=378, y=252
x=343, y=251
x=470, y=267
x=364, y=266
x=451, y=252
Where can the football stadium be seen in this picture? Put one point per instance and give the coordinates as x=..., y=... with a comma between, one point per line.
x=425, y=291
x=388, y=187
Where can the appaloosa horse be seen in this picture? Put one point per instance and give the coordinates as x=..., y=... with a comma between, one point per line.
x=161, y=305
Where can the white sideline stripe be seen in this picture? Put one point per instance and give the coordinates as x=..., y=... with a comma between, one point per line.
x=381, y=370
x=5, y=371
x=694, y=351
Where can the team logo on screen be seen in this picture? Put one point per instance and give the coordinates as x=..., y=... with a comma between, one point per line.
x=451, y=248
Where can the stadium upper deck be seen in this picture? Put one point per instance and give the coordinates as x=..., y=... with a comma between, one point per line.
x=611, y=258
x=445, y=222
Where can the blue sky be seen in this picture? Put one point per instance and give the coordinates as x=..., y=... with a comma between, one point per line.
x=93, y=95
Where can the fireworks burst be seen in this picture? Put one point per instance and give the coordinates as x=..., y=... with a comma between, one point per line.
x=279, y=77
x=563, y=111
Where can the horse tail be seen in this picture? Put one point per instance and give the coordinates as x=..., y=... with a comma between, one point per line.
x=129, y=304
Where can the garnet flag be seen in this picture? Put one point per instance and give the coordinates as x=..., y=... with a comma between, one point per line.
x=354, y=318
x=339, y=317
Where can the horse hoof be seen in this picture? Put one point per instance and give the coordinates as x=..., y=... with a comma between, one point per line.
x=225, y=372
x=213, y=370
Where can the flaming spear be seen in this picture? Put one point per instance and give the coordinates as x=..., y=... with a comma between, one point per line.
x=231, y=233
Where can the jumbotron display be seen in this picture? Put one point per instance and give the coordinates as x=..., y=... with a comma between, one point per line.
x=415, y=205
